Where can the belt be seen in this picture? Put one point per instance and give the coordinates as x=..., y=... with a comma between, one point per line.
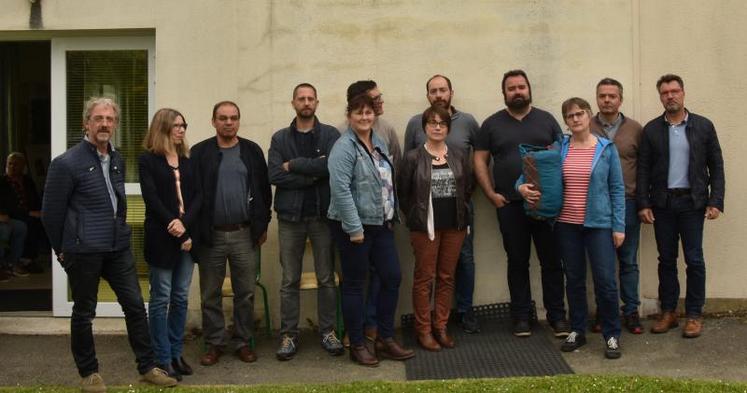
x=230, y=227
x=678, y=191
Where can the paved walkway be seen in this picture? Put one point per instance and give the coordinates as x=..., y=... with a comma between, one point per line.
x=46, y=359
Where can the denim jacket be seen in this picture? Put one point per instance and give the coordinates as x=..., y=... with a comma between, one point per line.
x=355, y=185
x=605, y=200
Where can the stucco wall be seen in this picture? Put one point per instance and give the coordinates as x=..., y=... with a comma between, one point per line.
x=254, y=52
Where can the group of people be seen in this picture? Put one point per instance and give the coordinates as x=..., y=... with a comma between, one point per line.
x=349, y=187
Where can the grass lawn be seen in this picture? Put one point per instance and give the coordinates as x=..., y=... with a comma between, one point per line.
x=564, y=384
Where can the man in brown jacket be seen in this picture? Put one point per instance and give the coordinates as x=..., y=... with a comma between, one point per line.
x=625, y=132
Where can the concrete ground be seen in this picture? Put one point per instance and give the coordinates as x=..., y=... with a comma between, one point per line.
x=46, y=359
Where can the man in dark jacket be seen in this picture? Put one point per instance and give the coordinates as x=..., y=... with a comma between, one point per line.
x=298, y=169
x=232, y=176
x=680, y=183
x=84, y=212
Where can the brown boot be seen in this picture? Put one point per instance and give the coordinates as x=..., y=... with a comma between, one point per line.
x=443, y=338
x=428, y=343
x=693, y=328
x=211, y=356
x=667, y=320
x=389, y=348
x=361, y=355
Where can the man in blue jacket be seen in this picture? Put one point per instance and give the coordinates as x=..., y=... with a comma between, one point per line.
x=680, y=183
x=84, y=212
x=297, y=162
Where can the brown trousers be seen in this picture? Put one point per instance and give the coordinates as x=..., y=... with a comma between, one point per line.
x=437, y=260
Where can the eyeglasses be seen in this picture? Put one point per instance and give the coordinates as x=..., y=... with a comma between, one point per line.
x=180, y=125
x=225, y=118
x=434, y=123
x=100, y=119
x=573, y=115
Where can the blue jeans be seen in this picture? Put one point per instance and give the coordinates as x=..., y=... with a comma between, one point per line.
x=465, y=270
x=627, y=255
x=574, y=242
x=680, y=220
x=167, y=310
x=12, y=234
x=378, y=249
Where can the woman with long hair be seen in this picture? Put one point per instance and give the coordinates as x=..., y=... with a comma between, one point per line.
x=172, y=202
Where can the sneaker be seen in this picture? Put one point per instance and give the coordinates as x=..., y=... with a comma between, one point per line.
x=158, y=377
x=332, y=344
x=288, y=347
x=561, y=328
x=633, y=323
x=573, y=342
x=613, y=348
x=522, y=328
x=468, y=322
x=19, y=271
x=92, y=384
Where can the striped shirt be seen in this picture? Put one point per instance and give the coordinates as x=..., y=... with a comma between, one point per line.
x=576, y=174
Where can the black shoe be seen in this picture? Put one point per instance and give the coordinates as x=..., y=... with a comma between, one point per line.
x=522, y=328
x=468, y=322
x=612, y=350
x=561, y=328
x=181, y=366
x=170, y=371
x=332, y=344
x=573, y=342
x=288, y=348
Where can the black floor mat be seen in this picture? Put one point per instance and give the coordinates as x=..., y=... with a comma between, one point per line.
x=494, y=352
x=26, y=300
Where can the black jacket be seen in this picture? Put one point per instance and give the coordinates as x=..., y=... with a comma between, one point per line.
x=77, y=211
x=304, y=172
x=414, y=186
x=206, y=157
x=158, y=187
x=10, y=203
x=705, y=169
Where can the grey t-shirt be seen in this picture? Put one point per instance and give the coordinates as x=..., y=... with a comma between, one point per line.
x=462, y=133
x=232, y=193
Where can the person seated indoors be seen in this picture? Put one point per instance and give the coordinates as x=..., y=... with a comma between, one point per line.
x=12, y=237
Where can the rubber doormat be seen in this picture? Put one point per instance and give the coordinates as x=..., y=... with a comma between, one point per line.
x=492, y=353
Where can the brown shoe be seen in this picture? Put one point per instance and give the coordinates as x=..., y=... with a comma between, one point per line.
x=443, y=338
x=361, y=355
x=427, y=342
x=667, y=320
x=246, y=354
x=346, y=341
x=693, y=328
x=389, y=348
x=211, y=356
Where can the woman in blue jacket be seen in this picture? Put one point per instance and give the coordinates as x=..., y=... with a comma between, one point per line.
x=362, y=210
x=172, y=201
x=591, y=221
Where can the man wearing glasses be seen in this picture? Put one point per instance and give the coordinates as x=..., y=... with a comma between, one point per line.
x=462, y=134
x=499, y=137
x=232, y=226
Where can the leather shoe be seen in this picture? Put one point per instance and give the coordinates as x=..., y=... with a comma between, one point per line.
x=211, y=356
x=389, y=348
x=443, y=338
x=693, y=328
x=246, y=354
x=361, y=355
x=181, y=366
x=427, y=342
x=667, y=320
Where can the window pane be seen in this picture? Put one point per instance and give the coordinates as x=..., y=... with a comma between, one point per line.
x=118, y=74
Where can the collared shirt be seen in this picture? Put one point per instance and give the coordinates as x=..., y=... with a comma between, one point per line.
x=105, y=160
x=679, y=155
x=611, y=128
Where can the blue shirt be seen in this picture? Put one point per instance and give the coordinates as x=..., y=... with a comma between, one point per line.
x=679, y=156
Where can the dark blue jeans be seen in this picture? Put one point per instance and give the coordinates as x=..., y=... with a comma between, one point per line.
x=518, y=231
x=465, y=270
x=680, y=220
x=378, y=250
x=84, y=272
x=627, y=255
x=574, y=242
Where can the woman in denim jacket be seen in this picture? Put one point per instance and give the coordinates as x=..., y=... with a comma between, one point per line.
x=362, y=210
x=591, y=221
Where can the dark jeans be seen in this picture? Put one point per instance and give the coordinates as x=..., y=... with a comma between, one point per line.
x=518, y=231
x=378, y=250
x=465, y=270
x=627, y=255
x=680, y=220
x=84, y=272
x=574, y=243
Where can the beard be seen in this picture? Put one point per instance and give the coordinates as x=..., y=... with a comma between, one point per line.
x=673, y=107
x=442, y=104
x=305, y=114
x=519, y=102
